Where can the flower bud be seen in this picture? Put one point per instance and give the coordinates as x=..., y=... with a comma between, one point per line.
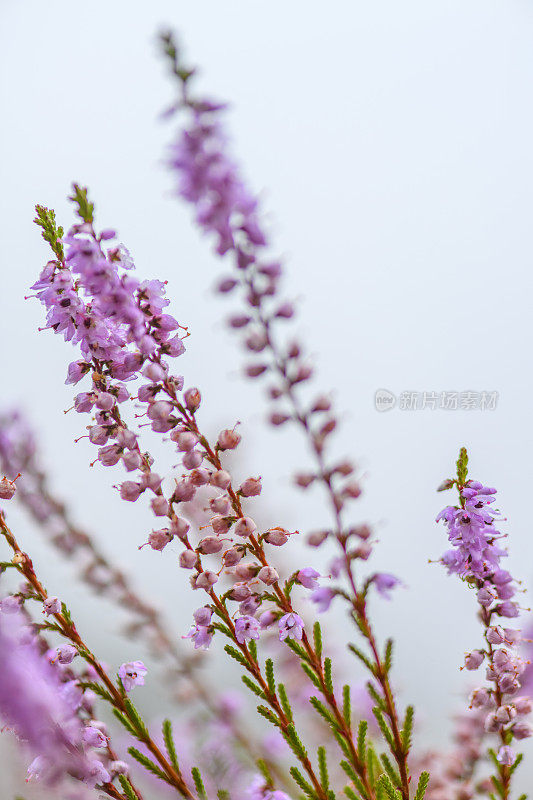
x=250, y=487
x=228, y=439
x=199, y=477
x=160, y=506
x=268, y=575
x=205, y=580
x=186, y=440
x=158, y=540
x=276, y=536
x=316, y=538
x=244, y=527
x=179, y=527
x=184, y=491
x=192, y=459
x=129, y=490
x=7, y=489
x=232, y=556
x=245, y=572
x=188, y=559
x=209, y=545
x=522, y=729
x=221, y=479
x=220, y=505
x=221, y=524
x=474, y=659
x=192, y=398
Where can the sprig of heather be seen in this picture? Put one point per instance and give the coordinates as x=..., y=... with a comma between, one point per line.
x=172, y=410
x=129, y=675
x=210, y=181
x=19, y=455
x=78, y=322
x=475, y=557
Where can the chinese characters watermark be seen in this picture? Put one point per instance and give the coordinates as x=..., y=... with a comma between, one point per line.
x=467, y=400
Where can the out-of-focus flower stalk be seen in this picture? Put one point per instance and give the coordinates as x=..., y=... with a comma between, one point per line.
x=210, y=181
x=117, y=698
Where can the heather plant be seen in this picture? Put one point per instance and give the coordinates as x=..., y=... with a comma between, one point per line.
x=317, y=733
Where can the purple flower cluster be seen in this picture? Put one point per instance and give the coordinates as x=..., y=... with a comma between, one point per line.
x=476, y=553
x=476, y=556
x=42, y=709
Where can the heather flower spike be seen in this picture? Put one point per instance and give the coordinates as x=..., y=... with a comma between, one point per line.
x=476, y=556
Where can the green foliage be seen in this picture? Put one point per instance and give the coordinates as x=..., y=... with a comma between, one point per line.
x=237, y=655
x=298, y=649
x=390, y=791
x=200, y=788
x=391, y=772
x=293, y=740
x=122, y=718
x=284, y=700
x=389, y=646
x=328, y=678
x=311, y=674
x=317, y=638
x=269, y=672
x=85, y=209
x=407, y=729
x=324, y=712
x=378, y=700
x=98, y=689
x=269, y=715
x=306, y=788
x=136, y=720
x=384, y=728
x=462, y=466
x=46, y=220
x=323, y=767
x=346, y=706
x=361, y=740
x=148, y=764
x=127, y=788
x=223, y=794
x=169, y=744
x=253, y=687
x=252, y=647
x=354, y=777
x=265, y=772
x=363, y=658
x=422, y=786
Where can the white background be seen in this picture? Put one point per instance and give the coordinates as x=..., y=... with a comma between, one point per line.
x=391, y=145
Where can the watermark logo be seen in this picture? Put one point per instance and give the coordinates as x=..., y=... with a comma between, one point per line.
x=468, y=400
x=384, y=400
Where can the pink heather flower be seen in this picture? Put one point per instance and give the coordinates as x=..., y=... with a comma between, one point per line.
x=246, y=628
x=7, y=489
x=132, y=674
x=291, y=626
x=10, y=604
x=384, y=582
x=33, y=703
x=308, y=577
x=323, y=597
x=94, y=737
x=474, y=659
x=66, y=654
x=250, y=487
x=506, y=756
x=51, y=605
x=201, y=636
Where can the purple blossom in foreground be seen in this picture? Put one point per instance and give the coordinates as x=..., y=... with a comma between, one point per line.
x=291, y=626
x=34, y=705
x=246, y=628
x=132, y=674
